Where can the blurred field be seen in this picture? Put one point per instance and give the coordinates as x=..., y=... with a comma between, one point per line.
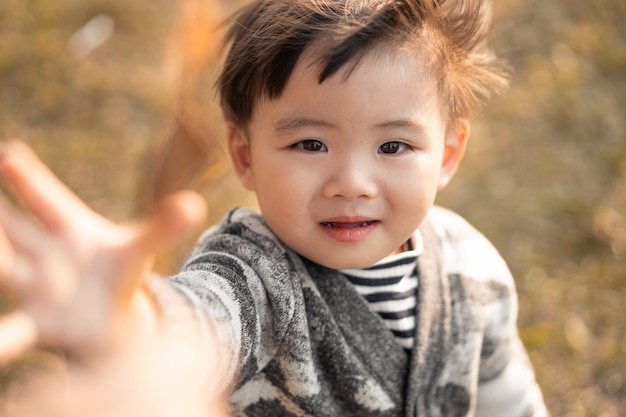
x=545, y=177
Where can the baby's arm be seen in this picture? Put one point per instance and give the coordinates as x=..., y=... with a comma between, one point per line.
x=507, y=384
x=78, y=279
x=506, y=380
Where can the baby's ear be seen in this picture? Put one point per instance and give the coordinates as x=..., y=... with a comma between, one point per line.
x=453, y=151
x=239, y=150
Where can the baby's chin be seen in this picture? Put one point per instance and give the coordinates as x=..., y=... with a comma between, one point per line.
x=350, y=259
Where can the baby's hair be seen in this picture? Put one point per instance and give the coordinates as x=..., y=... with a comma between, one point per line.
x=268, y=37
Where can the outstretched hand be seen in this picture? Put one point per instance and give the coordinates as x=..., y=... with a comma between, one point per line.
x=77, y=277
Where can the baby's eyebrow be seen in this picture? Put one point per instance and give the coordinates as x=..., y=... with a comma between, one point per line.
x=290, y=124
x=411, y=125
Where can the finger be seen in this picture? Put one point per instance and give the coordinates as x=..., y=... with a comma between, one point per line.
x=6, y=254
x=51, y=201
x=19, y=241
x=17, y=334
x=20, y=234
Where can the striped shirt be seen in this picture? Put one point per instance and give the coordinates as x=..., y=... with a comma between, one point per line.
x=390, y=287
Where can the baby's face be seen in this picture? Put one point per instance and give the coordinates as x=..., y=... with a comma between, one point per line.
x=346, y=170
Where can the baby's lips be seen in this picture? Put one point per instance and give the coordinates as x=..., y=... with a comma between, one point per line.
x=348, y=225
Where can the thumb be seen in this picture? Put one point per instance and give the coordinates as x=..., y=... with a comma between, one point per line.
x=175, y=216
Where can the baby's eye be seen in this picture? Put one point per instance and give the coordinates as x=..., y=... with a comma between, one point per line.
x=310, y=145
x=393, y=147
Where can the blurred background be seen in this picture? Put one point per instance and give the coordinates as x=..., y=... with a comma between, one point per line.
x=103, y=89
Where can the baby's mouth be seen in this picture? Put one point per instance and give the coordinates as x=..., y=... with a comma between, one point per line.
x=348, y=225
x=346, y=229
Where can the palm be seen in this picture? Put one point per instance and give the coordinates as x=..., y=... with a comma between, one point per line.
x=77, y=275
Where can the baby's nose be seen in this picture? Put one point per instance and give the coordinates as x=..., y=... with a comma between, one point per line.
x=351, y=180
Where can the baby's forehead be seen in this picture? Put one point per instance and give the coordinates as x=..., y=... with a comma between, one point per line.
x=368, y=71
x=380, y=87
x=407, y=50
x=399, y=58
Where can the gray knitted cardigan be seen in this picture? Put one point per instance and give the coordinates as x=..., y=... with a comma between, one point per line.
x=303, y=342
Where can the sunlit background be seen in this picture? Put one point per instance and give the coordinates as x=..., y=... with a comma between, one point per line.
x=98, y=88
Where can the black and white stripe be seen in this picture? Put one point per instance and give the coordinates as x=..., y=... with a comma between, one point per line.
x=390, y=287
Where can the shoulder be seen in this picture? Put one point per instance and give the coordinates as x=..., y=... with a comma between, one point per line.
x=243, y=256
x=240, y=231
x=245, y=222
x=465, y=250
